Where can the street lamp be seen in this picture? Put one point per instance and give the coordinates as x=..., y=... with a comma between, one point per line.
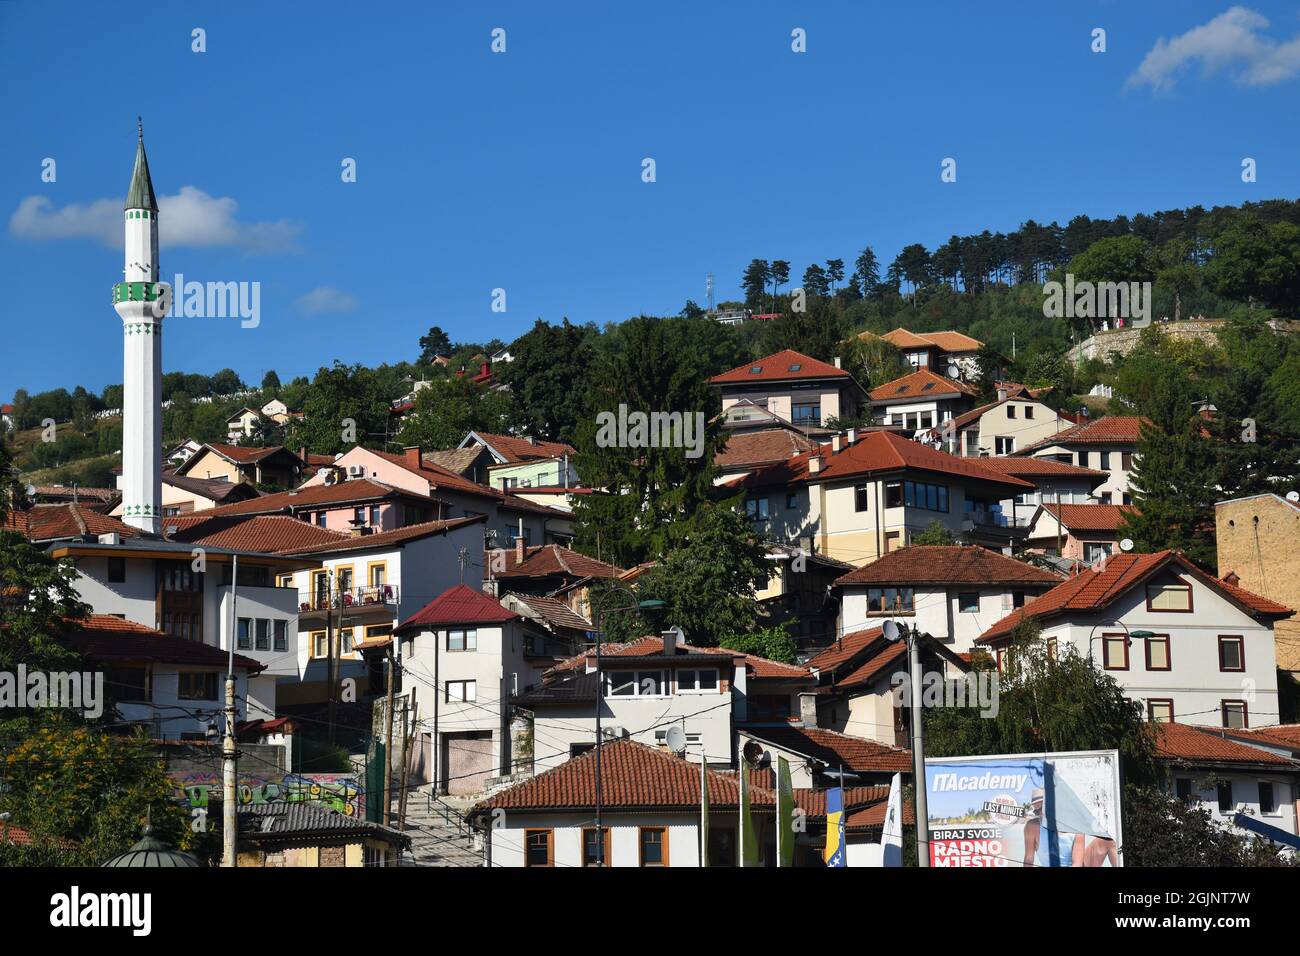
x=894, y=631
x=1129, y=636
x=632, y=605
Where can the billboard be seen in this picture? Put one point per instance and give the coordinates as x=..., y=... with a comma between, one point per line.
x=1049, y=809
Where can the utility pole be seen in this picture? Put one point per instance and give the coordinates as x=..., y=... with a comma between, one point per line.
x=600, y=700
x=330, y=669
x=388, y=742
x=918, y=751
x=437, y=696
x=407, y=740
x=229, y=769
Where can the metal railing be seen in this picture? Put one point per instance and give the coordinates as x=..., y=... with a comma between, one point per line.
x=375, y=594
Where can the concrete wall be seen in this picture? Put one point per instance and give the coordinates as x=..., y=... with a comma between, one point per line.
x=1256, y=540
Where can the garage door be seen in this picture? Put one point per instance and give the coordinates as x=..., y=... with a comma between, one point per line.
x=469, y=761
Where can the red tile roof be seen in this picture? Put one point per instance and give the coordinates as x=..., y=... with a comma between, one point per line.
x=785, y=366
x=1280, y=735
x=921, y=384
x=874, y=815
x=459, y=605
x=947, y=341
x=1183, y=742
x=239, y=454
x=515, y=450
x=315, y=496
x=554, y=611
x=65, y=520
x=1090, y=517
x=1031, y=468
x=876, y=453
x=760, y=667
x=1108, y=430
x=766, y=447
x=385, y=539
x=102, y=637
x=438, y=476
x=1093, y=590
x=547, y=560
x=269, y=534
x=947, y=564
x=836, y=750
x=867, y=672
x=844, y=650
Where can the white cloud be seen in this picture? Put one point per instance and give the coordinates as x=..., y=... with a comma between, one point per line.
x=1232, y=40
x=325, y=299
x=190, y=218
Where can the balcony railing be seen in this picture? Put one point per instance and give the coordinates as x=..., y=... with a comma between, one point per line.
x=375, y=595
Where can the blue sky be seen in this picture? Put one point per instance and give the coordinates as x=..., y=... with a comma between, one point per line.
x=522, y=170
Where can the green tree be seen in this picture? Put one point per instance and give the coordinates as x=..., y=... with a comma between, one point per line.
x=448, y=408
x=935, y=533
x=434, y=343
x=1254, y=260
x=270, y=385
x=774, y=643
x=755, y=279
x=548, y=374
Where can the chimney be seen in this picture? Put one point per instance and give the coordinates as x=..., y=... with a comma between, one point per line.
x=808, y=709
x=413, y=456
x=1002, y=394
x=852, y=436
x=837, y=362
x=671, y=638
x=1231, y=579
x=815, y=464
x=519, y=549
x=836, y=444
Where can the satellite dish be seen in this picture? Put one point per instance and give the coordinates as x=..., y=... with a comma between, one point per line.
x=892, y=632
x=676, y=739
x=31, y=490
x=331, y=477
x=1293, y=496
x=755, y=756
x=954, y=371
x=1126, y=544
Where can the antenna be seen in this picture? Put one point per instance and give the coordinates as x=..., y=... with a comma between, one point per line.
x=708, y=290
x=755, y=756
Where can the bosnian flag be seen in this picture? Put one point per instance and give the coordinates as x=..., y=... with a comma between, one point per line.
x=834, y=854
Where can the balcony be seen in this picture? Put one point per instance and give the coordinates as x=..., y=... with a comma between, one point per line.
x=997, y=522
x=377, y=598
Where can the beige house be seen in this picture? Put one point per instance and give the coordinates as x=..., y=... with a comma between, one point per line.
x=1001, y=427
x=949, y=353
x=1256, y=541
x=1108, y=444
x=861, y=496
x=795, y=387
x=921, y=401
x=273, y=467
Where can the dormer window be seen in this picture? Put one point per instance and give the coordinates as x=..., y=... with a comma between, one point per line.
x=755, y=370
x=795, y=367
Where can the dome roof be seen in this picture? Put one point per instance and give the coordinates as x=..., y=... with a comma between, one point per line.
x=152, y=852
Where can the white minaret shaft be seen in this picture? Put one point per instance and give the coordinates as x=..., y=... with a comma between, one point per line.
x=139, y=301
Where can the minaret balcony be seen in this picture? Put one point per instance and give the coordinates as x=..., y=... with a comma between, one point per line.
x=137, y=292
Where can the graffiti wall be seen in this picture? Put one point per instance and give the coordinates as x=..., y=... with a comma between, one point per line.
x=339, y=791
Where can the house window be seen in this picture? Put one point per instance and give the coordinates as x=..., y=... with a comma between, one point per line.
x=128, y=683
x=807, y=414
x=196, y=685
x=462, y=639
x=1029, y=411
x=263, y=634
x=345, y=641
x=862, y=497
x=1225, y=796
x=1094, y=551
x=374, y=516
x=920, y=494
x=634, y=683
x=890, y=599
x=968, y=602
x=1232, y=653
x=756, y=509
x=1160, y=710
x=1169, y=597
x=1267, y=804
x=1126, y=461
x=320, y=519
x=595, y=849
x=1011, y=411
x=1114, y=652
x=1183, y=789
x=654, y=846
x=697, y=682
x=318, y=644
x=244, y=639
x=792, y=500
x=1004, y=446
x=1051, y=648
x=463, y=691
x=359, y=516
x=722, y=847
x=1158, y=652
x=117, y=570
x=378, y=575
x=893, y=495
x=281, y=635
x=1105, y=461
x=1235, y=715
x=537, y=848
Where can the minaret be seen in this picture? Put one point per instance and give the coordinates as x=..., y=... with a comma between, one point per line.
x=139, y=301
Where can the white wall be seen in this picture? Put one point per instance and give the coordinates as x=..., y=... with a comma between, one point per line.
x=624, y=840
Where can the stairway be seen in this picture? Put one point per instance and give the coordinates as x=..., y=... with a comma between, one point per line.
x=438, y=832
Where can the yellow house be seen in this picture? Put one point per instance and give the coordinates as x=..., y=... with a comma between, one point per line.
x=283, y=834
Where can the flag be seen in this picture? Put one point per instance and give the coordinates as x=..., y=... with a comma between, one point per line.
x=835, y=850
x=704, y=811
x=891, y=836
x=784, y=814
x=748, y=839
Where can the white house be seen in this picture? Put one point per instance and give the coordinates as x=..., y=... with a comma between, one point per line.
x=1189, y=647
x=463, y=655
x=953, y=593
x=1108, y=444
x=921, y=401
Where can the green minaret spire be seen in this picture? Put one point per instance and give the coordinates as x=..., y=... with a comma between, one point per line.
x=140, y=195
